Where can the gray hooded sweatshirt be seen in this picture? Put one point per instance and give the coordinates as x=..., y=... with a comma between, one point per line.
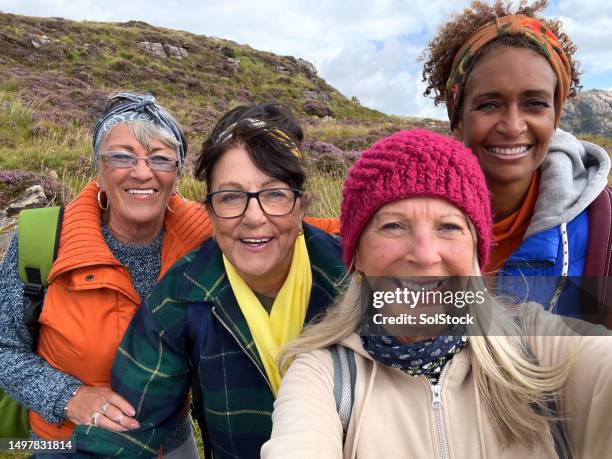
x=573, y=174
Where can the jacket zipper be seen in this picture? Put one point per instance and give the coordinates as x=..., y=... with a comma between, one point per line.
x=436, y=404
x=214, y=311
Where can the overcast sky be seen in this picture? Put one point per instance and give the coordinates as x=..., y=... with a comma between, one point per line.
x=363, y=48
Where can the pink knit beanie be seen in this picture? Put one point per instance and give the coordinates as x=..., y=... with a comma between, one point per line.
x=411, y=164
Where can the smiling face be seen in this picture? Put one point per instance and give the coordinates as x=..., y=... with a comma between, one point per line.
x=416, y=237
x=507, y=116
x=420, y=242
x=259, y=246
x=137, y=196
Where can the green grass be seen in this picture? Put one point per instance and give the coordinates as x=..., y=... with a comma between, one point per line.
x=4, y=455
x=16, y=120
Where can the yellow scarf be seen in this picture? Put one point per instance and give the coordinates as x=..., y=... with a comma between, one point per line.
x=286, y=319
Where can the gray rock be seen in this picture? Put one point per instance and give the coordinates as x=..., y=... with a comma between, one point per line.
x=311, y=94
x=21, y=190
x=228, y=67
x=7, y=226
x=175, y=51
x=317, y=108
x=316, y=95
x=590, y=112
x=31, y=198
x=307, y=68
x=154, y=49
x=39, y=40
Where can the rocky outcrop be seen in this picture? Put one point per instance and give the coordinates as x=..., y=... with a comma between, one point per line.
x=316, y=108
x=32, y=198
x=307, y=68
x=590, y=112
x=62, y=71
x=163, y=50
x=25, y=190
x=39, y=40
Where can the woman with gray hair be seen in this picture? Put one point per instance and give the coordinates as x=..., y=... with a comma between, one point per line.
x=118, y=237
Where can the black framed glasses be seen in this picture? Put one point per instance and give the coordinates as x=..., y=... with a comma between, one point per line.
x=275, y=202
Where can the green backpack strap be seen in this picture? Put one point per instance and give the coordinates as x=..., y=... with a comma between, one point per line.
x=14, y=421
x=38, y=234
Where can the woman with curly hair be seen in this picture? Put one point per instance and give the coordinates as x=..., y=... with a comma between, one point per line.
x=504, y=77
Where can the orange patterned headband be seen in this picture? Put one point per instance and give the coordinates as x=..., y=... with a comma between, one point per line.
x=515, y=25
x=275, y=133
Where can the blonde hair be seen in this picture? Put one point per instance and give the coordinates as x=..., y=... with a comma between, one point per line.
x=511, y=384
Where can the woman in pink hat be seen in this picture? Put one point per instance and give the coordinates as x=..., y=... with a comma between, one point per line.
x=478, y=383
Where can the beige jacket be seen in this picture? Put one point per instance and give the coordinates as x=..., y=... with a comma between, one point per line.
x=393, y=415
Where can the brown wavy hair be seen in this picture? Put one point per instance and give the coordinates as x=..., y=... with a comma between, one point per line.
x=440, y=51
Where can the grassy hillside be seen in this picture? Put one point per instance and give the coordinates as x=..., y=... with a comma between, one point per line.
x=55, y=75
x=64, y=68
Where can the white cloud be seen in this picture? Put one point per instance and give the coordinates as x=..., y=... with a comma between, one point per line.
x=387, y=79
x=336, y=35
x=592, y=40
x=586, y=9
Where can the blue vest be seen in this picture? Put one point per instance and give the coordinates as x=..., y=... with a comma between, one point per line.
x=533, y=271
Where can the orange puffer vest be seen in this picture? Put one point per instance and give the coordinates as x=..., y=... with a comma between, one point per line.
x=91, y=300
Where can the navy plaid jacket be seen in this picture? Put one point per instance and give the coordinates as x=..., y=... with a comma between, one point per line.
x=190, y=331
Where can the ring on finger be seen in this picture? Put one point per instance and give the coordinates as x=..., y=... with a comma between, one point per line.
x=119, y=419
x=104, y=408
x=94, y=418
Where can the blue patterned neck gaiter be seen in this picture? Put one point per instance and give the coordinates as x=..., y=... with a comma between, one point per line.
x=423, y=358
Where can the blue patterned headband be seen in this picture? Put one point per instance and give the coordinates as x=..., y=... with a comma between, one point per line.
x=137, y=107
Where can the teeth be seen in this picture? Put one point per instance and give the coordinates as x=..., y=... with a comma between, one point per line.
x=256, y=241
x=149, y=191
x=414, y=286
x=508, y=151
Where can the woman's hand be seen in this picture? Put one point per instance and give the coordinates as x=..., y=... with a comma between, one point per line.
x=102, y=407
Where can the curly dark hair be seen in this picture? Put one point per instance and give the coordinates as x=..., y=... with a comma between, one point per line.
x=440, y=51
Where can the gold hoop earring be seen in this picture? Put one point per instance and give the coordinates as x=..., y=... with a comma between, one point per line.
x=100, y=205
x=300, y=232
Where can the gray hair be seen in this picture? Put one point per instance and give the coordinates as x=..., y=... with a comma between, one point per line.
x=132, y=107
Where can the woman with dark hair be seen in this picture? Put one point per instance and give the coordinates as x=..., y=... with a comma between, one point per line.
x=504, y=76
x=217, y=320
